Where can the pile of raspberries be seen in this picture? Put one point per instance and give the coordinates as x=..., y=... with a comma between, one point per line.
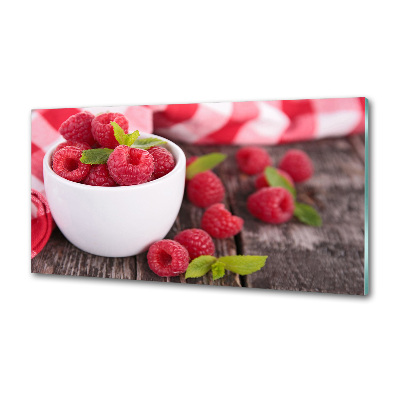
x=125, y=166
x=274, y=205
x=270, y=204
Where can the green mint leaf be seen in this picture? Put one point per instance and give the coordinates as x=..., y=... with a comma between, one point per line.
x=122, y=137
x=218, y=270
x=307, y=214
x=199, y=266
x=274, y=178
x=243, y=265
x=204, y=163
x=147, y=143
x=130, y=138
x=119, y=133
x=95, y=156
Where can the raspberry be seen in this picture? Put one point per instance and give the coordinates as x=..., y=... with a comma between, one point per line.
x=272, y=204
x=80, y=145
x=205, y=189
x=103, y=131
x=252, y=160
x=220, y=223
x=197, y=242
x=99, y=176
x=163, y=161
x=261, y=181
x=67, y=164
x=78, y=127
x=130, y=166
x=297, y=164
x=190, y=160
x=167, y=258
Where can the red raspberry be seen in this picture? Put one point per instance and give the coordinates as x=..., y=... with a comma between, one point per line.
x=163, y=161
x=297, y=164
x=252, y=160
x=220, y=223
x=83, y=146
x=80, y=145
x=168, y=258
x=78, y=128
x=190, y=160
x=99, y=176
x=205, y=189
x=197, y=242
x=273, y=204
x=261, y=181
x=67, y=164
x=130, y=166
x=103, y=131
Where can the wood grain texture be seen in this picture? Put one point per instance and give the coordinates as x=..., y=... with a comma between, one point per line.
x=302, y=258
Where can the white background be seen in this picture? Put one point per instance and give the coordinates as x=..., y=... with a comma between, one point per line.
x=80, y=338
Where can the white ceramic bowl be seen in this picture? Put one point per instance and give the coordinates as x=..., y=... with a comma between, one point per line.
x=116, y=221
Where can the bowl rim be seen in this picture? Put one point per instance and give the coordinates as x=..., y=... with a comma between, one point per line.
x=178, y=165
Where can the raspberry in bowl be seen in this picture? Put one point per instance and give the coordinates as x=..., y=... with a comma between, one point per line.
x=115, y=221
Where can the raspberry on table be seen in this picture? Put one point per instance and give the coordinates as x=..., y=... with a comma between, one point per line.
x=103, y=131
x=190, y=160
x=164, y=161
x=205, y=189
x=78, y=128
x=297, y=164
x=99, y=176
x=130, y=166
x=272, y=204
x=220, y=223
x=197, y=242
x=168, y=258
x=252, y=160
x=67, y=164
x=261, y=180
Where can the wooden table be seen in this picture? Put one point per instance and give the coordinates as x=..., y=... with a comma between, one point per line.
x=302, y=258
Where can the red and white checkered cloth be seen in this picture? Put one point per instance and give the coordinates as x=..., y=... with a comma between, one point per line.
x=260, y=122
x=252, y=122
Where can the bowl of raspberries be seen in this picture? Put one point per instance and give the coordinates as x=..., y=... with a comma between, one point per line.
x=113, y=193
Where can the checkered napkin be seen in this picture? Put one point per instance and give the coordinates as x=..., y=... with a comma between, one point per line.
x=252, y=122
x=41, y=222
x=260, y=122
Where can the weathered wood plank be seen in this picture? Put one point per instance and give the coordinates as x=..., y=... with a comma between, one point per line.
x=328, y=259
x=358, y=142
x=60, y=257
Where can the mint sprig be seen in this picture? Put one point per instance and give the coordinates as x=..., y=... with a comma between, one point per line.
x=95, y=156
x=122, y=137
x=242, y=265
x=199, y=266
x=218, y=270
x=303, y=212
x=147, y=143
x=274, y=178
x=307, y=214
x=204, y=163
x=100, y=156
